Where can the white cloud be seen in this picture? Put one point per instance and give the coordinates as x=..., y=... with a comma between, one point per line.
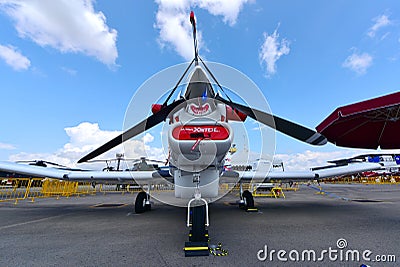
x=358, y=62
x=66, y=25
x=380, y=22
x=172, y=20
x=4, y=146
x=14, y=58
x=86, y=137
x=70, y=71
x=271, y=50
x=228, y=9
x=308, y=159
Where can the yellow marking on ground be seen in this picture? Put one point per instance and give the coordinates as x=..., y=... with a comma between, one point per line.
x=196, y=248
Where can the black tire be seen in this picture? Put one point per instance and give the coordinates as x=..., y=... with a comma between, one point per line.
x=140, y=203
x=248, y=199
x=199, y=224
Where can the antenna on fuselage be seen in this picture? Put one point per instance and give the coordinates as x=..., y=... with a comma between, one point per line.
x=196, y=51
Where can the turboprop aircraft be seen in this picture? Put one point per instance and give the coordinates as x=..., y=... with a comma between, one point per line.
x=199, y=136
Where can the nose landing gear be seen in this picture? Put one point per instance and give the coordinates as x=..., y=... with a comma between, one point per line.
x=198, y=220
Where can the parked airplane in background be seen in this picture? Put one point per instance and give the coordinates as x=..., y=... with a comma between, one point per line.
x=390, y=161
x=199, y=137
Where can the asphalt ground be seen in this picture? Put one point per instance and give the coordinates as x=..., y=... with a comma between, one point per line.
x=73, y=232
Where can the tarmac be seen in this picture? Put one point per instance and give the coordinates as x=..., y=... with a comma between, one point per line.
x=77, y=232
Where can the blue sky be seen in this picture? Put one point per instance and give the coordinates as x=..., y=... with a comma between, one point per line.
x=68, y=69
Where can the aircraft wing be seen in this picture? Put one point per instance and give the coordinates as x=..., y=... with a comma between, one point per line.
x=154, y=176
x=348, y=169
x=317, y=173
x=75, y=175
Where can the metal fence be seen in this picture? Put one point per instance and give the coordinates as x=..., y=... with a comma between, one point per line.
x=31, y=188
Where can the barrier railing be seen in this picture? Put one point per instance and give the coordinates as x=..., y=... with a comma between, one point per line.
x=267, y=190
x=16, y=189
x=393, y=180
x=19, y=189
x=119, y=188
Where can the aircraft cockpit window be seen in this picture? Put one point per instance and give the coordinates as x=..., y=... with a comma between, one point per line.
x=199, y=89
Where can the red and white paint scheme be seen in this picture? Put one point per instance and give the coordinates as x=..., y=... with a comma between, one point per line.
x=199, y=139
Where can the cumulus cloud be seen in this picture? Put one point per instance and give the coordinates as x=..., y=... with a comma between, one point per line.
x=14, y=58
x=66, y=25
x=271, y=50
x=86, y=137
x=228, y=9
x=358, y=63
x=172, y=21
x=379, y=23
x=4, y=146
x=307, y=159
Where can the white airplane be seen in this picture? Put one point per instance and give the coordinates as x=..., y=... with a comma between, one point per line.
x=199, y=137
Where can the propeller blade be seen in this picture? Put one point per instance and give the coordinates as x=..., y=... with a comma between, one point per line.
x=292, y=129
x=41, y=163
x=196, y=51
x=55, y=164
x=139, y=128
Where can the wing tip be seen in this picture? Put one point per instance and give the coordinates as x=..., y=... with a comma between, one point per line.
x=84, y=159
x=317, y=139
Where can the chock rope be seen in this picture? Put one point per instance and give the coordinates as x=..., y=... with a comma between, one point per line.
x=217, y=250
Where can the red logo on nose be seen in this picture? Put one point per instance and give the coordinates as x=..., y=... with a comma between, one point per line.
x=195, y=132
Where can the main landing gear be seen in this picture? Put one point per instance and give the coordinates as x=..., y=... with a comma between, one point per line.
x=246, y=201
x=142, y=202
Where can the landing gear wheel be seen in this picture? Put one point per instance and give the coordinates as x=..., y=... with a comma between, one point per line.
x=197, y=217
x=199, y=224
x=140, y=203
x=248, y=199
